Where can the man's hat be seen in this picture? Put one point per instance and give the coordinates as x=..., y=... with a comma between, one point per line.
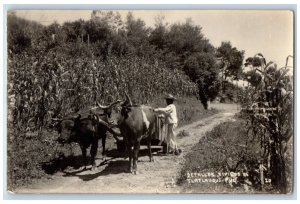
x=170, y=97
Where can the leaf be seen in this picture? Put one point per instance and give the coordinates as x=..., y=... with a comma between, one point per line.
x=269, y=64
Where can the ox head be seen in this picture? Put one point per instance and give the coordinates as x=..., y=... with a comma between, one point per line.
x=66, y=128
x=120, y=111
x=107, y=110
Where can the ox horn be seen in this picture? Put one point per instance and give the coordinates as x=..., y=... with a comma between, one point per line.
x=116, y=102
x=101, y=106
x=128, y=99
x=108, y=106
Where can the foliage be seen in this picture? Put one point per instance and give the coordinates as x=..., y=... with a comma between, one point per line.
x=21, y=33
x=59, y=69
x=183, y=46
x=231, y=59
x=106, y=35
x=55, y=85
x=202, y=69
x=232, y=93
x=64, y=69
x=227, y=148
x=137, y=36
x=268, y=107
x=253, y=78
x=184, y=40
x=158, y=37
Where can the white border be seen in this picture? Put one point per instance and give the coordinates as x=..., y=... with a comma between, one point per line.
x=212, y=4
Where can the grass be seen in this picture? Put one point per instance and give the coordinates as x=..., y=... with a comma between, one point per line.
x=37, y=155
x=227, y=148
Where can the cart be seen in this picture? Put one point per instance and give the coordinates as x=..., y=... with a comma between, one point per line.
x=158, y=139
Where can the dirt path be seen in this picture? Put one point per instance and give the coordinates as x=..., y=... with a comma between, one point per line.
x=152, y=177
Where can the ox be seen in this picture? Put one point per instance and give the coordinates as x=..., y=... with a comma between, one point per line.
x=135, y=123
x=86, y=130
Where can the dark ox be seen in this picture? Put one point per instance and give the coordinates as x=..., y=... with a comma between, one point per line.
x=135, y=123
x=86, y=130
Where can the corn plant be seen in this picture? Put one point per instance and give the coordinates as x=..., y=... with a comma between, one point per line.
x=51, y=84
x=268, y=107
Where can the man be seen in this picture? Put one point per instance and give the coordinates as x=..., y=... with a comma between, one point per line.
x=171, y=121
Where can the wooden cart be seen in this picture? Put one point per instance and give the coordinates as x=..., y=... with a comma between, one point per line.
x=158, y=139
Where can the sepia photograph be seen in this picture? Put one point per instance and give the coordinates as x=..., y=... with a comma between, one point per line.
x=150, y=101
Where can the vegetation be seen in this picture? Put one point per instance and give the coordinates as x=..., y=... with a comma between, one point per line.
x=231, y=61
x=268, y=107
x=227, y=148
x=259, y=142
x=59, y=69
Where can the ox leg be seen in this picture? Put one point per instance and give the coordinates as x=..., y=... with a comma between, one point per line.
x=103, y=146
x=135, y=156
x=93, y=152
x=150, y=151
x=128, y=151
x=83, y=150
x=127, y=148
x=130, y=154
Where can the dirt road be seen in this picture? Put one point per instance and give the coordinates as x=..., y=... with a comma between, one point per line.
x=154, y=177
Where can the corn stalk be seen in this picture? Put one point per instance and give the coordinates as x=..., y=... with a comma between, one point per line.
x=268, y=107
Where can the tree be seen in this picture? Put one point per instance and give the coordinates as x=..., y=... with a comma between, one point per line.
x=158, y=36
x=231, y=61
x=202, y=69
x=183, y=40
x=75, y=31
x=137, y=35
x=21, y=33
x=110, y=18
x=183, y=47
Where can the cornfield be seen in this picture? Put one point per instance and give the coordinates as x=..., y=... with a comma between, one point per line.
x=39, y=89
x=43, y=86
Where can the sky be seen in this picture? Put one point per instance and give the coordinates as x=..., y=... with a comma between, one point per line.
x=269, y=32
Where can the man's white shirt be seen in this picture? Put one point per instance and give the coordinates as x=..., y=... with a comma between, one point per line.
x=170, y=113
